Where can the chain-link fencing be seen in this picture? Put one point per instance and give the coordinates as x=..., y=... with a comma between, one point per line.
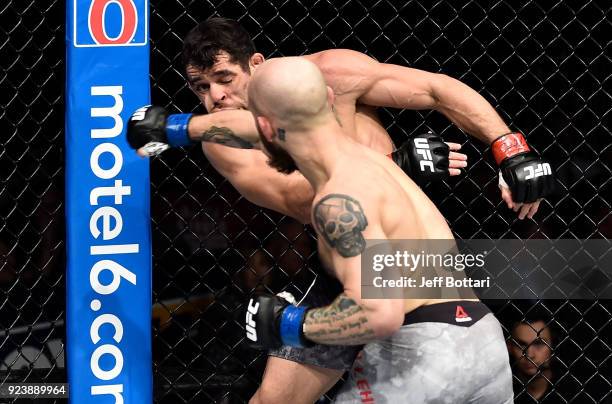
x=31, y=192
x=544, y=65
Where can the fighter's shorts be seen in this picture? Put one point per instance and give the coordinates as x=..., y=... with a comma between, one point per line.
x=443, y=354
x=322, y=292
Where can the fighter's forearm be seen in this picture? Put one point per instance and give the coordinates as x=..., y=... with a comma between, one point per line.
x=233, y=128
x=468, y=110
x=343, y=322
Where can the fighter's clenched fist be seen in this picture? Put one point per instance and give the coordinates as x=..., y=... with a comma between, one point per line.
x=424, y=158
x=271, y=322
x=152, y=130
x=525, y=177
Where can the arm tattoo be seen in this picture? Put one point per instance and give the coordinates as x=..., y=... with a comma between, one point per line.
x=341, y=220
x=226, y=137
x=341, y=323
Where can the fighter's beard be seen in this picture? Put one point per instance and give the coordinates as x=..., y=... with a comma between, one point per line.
x=278, y=157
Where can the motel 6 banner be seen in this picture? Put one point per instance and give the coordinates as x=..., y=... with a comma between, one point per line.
x=107, y=204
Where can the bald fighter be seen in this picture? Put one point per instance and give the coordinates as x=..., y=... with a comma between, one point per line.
x=416, y=350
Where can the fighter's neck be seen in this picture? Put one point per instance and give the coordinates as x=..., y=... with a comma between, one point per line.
x=316, y=153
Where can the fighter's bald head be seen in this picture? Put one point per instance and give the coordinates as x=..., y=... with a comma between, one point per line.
x=289, y=91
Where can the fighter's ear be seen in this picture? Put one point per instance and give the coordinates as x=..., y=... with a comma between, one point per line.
x=330, y=96
x=256, y=60
x=265, y=128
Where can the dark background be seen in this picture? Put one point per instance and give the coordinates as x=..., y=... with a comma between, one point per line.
x=544, y=65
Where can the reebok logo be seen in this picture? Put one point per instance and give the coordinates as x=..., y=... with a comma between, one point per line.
x=461, y=315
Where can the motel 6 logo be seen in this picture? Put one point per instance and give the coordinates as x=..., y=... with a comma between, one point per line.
x=110, y=23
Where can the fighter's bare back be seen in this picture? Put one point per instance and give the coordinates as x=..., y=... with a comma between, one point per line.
x=372, y=183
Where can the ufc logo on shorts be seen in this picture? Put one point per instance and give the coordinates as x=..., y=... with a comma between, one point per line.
x=537, y=171
x=250, y=323
x=110, y=23
x=422, y=146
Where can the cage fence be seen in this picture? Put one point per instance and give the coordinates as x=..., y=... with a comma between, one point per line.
x=544, y=65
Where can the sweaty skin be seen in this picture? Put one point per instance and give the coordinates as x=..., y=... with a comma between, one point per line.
x=353, y=184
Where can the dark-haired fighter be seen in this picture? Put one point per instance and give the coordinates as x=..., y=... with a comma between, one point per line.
x=417, y=350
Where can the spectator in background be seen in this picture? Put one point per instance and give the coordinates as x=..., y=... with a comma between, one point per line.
x=531, y=346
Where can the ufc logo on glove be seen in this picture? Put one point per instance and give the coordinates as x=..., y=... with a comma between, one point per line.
x=528, y=176
x=538, y=171
x=249, y=322
x=423, y=150
x=139, y=114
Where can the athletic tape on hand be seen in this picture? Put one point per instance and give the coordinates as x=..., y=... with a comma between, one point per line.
x=502, y=181
x=288, y=297
x=155, y=148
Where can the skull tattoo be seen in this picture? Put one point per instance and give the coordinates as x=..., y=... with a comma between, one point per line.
x=340, y=219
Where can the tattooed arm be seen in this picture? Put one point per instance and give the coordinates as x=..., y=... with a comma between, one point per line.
x=340, y=220
x=344, y=322
x=233, y=128
x=350, y=320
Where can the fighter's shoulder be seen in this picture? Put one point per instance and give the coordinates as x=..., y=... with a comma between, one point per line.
x=342, y=217
x=339, y=63
x=332, y=201
x=337, y=55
